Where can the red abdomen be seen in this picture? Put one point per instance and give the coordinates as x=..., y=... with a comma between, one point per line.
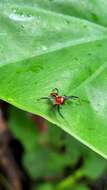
x=59, y=100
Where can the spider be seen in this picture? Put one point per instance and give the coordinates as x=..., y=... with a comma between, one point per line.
x=58, y=100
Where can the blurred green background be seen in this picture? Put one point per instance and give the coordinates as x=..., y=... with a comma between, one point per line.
x=54, y=159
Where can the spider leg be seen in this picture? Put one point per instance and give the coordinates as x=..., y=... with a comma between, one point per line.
x=53, y=107
x=76, y=97
x=44, y=98
x=58, y=106
x=72, y=97
x=55, y=89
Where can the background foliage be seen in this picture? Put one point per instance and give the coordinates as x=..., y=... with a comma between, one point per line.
x=54, y=155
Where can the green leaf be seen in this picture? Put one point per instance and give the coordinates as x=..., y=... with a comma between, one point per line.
x=47, y=186
x=82, y=187
x=42, y=49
